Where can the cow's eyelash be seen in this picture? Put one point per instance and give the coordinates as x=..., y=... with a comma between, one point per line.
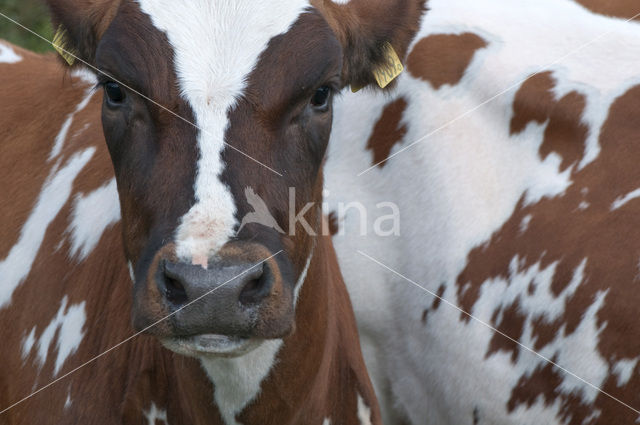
x=102, y=80
x=333, y=83
x=105, y=78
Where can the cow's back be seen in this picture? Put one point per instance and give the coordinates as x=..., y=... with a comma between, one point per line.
x=521, y=209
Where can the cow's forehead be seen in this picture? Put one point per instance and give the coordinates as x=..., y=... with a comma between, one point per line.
x=215, y=46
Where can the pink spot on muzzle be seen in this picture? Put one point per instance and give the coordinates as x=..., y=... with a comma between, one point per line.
x=200, y=260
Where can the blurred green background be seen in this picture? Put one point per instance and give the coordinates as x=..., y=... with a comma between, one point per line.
x=30, y=13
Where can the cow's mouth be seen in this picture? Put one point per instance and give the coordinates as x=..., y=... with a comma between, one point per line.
x=211, y=345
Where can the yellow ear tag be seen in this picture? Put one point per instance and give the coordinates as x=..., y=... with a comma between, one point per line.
x=387, y=72
x=59, y=45
x=390, y=70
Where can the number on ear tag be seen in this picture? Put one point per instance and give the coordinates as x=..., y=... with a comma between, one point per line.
x=388, y=71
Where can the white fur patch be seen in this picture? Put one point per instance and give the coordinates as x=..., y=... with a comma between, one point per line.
x=86, y=226
x=619, y=202
x=68, y=402
x=216, y=46
x=67, y=325
x=61, y=137
x=8, y=55
x=624, y=369
x=326, y=421
x=237, y=380
x=458, y=187
x=28, y=342
x=524, y=225
x=85, y=75
x=302, y=277
x=364, y=412
x=155, y=414
x=132, y=274
x=53, y=196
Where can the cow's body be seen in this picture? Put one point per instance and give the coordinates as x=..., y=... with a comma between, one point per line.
x=522, y=212
x=65, y=292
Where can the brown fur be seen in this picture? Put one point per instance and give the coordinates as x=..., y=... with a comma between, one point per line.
x=84, y=21
x=443, y=58
x=364, y=26
x=575, y=225
x=565, y=134
x=625, y=9
x=388, y=131
x=23, y=193
x=319, y=371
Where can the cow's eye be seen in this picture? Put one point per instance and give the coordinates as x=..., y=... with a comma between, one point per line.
x=115, y=94
x=320, y=99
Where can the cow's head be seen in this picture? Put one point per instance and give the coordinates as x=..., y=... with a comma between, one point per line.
x=257, y=79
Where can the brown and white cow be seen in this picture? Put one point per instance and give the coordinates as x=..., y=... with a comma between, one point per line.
x=519, y=203
x=256, y=78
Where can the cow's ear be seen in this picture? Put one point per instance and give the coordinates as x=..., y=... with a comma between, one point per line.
x=373, y=33
x=79, y=25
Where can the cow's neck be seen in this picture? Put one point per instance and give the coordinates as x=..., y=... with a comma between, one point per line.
x=296, y=378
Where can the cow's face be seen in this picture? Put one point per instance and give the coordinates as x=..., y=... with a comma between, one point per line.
x=258, y=87
x=215, y=111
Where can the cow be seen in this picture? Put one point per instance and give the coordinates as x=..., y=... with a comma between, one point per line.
x=125, y=180
x=511, y=147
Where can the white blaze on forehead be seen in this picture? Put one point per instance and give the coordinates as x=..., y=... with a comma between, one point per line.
x=216, y=45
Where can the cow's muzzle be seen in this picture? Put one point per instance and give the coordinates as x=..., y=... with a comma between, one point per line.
x=238, y=300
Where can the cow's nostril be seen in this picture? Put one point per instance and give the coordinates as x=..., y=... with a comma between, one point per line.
x=249, y=292
x=255, y=290
x=174, y=291
x=181, y=283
